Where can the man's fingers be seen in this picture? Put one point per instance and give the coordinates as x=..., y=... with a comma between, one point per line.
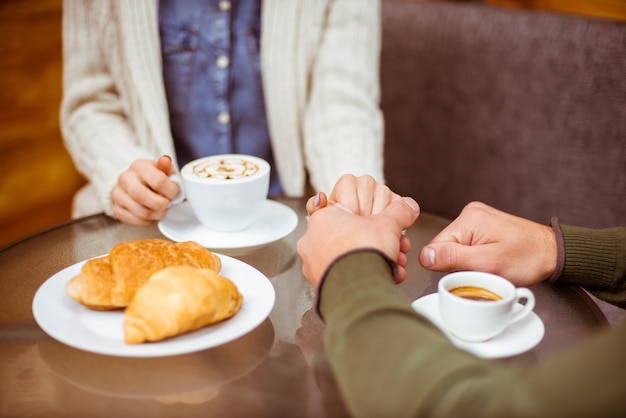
x=450, y=256
x=405, y=210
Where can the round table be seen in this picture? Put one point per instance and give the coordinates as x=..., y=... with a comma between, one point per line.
x=278, y=369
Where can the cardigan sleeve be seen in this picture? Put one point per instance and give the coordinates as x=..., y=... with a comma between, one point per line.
x=343, y=124
x=96, y=116
x=390, y=361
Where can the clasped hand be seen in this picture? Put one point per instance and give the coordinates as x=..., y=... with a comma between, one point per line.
x=362, y=213
x=359, y=213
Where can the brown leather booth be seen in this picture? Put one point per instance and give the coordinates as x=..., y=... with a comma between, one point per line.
x=524, y=110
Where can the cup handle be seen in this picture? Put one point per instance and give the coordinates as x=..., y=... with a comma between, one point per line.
x=523, y=293
x=181, y=191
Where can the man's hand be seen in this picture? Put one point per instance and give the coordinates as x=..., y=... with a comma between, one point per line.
x=485, y=239
x=334, y=230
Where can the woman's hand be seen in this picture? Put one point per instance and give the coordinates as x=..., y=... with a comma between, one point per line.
x=334, y=231
x=144, y=191
x=361, y=195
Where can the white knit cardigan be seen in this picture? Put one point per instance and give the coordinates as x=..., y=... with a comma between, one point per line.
x=320, y=66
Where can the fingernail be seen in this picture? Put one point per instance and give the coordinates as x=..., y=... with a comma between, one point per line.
x=316, y=201
x=411, y=203
x=429, y=255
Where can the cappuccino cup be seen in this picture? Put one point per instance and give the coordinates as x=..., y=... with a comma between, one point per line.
x=226, y=191
x=476, y=306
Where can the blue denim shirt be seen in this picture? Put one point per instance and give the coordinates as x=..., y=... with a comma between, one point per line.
x=212, y=75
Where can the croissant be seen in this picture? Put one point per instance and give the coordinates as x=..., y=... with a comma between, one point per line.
x=110, y=282
x=177, y=300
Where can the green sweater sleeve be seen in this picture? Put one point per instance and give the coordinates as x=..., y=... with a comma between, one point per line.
x=391, y=362
x=596, y=260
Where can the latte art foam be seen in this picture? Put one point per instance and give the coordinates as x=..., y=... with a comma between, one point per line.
x=225, y=168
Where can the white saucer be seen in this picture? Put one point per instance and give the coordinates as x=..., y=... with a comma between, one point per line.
x=275, y=222
x=516, y=339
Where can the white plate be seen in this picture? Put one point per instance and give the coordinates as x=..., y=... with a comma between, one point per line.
x=275, y=222
x=516, y=339
x=101, y=331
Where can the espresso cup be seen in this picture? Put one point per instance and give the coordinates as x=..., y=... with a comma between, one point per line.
x=226, y=192
x=476, y=306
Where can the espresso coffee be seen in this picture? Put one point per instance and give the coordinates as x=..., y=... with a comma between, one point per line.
x=477, y=306
x=229, y=168
x=475, y=293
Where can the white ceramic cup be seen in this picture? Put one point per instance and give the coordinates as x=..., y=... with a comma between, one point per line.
x=479, y=320
x=226, y=192
x=180, y=197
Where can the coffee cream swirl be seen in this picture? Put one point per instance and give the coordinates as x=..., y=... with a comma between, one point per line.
x=225, y=168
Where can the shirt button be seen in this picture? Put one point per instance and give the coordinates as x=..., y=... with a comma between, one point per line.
x=224, y=5
x=222, y=61
x=223, y=118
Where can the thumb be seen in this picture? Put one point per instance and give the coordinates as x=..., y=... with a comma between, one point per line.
x=164, y=164
x=450, y=256
x=316, y=202
x=404, y=210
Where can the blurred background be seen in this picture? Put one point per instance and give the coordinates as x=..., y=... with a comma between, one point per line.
x=38, y=178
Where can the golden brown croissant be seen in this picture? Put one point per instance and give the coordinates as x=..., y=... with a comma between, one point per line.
x=110, y=282
x=177, y=300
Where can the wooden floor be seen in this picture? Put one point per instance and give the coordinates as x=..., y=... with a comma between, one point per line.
x=38, y=178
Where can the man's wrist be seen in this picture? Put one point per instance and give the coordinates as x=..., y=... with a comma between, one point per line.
x=560, y=250
x=342, y=273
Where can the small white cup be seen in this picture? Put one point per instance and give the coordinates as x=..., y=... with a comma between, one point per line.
x=480, y=320
x=225, y=191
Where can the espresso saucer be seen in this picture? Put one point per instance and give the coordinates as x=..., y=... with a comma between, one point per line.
x=518, y=338
x=275, y=222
